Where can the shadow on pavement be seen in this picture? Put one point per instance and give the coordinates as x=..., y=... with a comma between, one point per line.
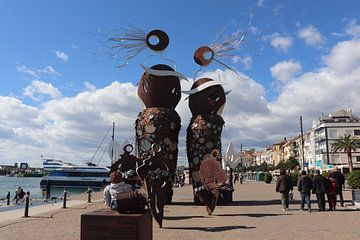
x=256, y=215
x=253, y=202
x=181, y=217
x=211, y=229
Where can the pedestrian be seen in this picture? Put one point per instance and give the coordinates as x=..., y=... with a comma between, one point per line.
x=331, y=192
x=305, y=185
x=17, y=192
x=236, y=177
x=21, y=196
x=340, y=181
x=48, y=189
x=284, y=186
x=241, y=177
x=319, y=188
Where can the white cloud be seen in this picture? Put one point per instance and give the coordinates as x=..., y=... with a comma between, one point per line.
x=71, y=128
x=38, y=88
x=246, y=61
x=90, y=87
x=37, y=73
x=344, y=57
x=281, y=43
x=61, y=55
x=285, y=70
x=352, y=28
x=311, y=36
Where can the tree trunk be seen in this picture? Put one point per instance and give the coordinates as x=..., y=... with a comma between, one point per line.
x=350, y=161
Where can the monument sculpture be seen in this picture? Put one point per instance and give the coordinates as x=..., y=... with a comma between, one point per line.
x=158, y=124
x=207, y=99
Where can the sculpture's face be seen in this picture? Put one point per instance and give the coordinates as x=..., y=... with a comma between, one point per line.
x=210, y=100
x=159, y=91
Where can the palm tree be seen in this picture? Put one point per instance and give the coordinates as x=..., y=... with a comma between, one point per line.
x=346, y=144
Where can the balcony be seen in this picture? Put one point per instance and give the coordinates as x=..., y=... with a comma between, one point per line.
x=319, y=138
x=320, y=151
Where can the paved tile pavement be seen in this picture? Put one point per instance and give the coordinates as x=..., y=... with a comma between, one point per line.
x=255, y=214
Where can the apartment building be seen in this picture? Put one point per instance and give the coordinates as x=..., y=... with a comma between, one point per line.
x=278, y=152
x=326, y=130
x=266, y=156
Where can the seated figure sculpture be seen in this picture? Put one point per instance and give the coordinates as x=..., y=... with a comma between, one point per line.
x=125, y=194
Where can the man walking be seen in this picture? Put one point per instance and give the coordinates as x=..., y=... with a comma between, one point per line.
x=305, y=185
x=283, y=186
x=319, y=188
x=340, y=181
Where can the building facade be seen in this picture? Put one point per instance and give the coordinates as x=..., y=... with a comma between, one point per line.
x=328, y=129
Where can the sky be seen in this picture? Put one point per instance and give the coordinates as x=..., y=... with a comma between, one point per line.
x=61, y=89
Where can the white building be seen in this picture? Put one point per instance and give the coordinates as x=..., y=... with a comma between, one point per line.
x=328, y=129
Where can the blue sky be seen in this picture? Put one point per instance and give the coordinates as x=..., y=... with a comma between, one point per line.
x=49, y=57
x=32, y=30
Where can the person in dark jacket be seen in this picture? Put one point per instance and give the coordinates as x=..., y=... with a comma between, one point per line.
x=340, y=181
x=305, y=185
x=284, y=186
x=319, y=188
x=331, y=192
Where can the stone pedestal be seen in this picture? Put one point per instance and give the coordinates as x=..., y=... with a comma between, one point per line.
x=111, y=225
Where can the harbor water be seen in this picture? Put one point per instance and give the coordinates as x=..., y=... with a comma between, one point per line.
x=31, y=184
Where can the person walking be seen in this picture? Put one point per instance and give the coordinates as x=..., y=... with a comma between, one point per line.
x=305, y=184
x=319, y=188
x=48, y=189
x=284, y=186
x=241, y=177
x=331, y=192
x=340, y=181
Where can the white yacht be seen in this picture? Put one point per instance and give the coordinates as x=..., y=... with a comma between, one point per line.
x=62, y=174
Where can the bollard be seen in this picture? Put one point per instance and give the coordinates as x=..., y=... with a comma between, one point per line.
x=27, y=200
x=8, y=198
x=89, y=191
x=65, y=196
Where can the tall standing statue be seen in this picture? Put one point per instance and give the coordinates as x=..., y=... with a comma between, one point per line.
x=157, y=126
x=157, y=131
x=206, y=101
x=203, y=141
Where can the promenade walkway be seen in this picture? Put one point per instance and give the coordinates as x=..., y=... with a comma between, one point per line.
x=255, y=214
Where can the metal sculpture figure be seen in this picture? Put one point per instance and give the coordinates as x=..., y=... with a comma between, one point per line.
x=157, y=126
x=159, y=123
x=213, y=178
x=206, y=102
x=125, y=193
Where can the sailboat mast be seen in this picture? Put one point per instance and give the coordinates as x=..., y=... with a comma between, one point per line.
x=113, y=133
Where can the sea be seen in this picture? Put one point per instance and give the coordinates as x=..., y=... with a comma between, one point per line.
x=31, y=184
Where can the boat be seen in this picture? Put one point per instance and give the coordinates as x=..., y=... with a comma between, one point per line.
x=59, y=174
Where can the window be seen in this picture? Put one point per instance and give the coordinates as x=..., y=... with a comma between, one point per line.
x=348, y=132
x=333, y=133
x=356, y=132
x=358, y=158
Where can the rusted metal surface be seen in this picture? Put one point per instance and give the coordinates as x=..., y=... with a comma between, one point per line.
x=204, y=56
x=126, y=162
x=111, y=225
x=159, y=91
x=212, y=177
x=163, y=40
x=207, y=101
x=158, y=126
x=204, y=135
